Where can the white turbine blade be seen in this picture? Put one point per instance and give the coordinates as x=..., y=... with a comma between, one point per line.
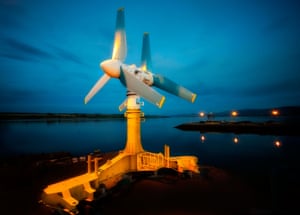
x=140, y=88
x=99, y=84
x=120, y=45
x=173, y=88
x=123, y=105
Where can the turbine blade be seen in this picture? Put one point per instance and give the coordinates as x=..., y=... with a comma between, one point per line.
x=99, y=84
x=143, y=90
x=123, y=105
x=173, y=88
x=146, y=54
x=120, y=45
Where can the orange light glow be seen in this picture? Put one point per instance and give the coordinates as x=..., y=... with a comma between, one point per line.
x=234, y=113
x=275, y=112
x=235, y=139
x=277, y=143
x=202, y=138
x=201, y=114
x=144, y=67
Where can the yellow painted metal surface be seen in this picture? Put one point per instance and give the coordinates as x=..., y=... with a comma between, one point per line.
x=133, y=144
x=132, y=159
x=69, y=183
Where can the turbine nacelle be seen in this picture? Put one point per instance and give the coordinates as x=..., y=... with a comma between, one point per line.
x=145, y=76
x=113, y=69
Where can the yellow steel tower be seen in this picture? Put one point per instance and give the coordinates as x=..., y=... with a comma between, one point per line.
x=133, y=115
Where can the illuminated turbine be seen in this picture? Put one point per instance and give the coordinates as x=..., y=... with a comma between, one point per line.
x=136, y=79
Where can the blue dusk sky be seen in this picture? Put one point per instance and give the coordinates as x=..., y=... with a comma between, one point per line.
x=233, y=54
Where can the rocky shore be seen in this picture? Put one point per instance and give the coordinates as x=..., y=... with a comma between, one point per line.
x=245, y=127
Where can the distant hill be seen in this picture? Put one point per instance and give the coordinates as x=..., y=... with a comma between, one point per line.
x=55, y=116
x=283, y=111
x=63, y=116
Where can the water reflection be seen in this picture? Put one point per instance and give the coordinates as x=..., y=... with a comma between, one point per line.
x=202, y=138
x=83, y=137
x=277, y=143
x=252, y=156
x=235, y=140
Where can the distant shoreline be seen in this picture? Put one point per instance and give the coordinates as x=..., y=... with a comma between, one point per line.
x=292, y=112
x=20, y=116
x=63, y=116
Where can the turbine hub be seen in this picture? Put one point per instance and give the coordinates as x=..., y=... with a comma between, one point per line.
x=111, y=67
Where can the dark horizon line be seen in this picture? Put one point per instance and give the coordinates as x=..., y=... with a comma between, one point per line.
x=286, y=110
x=35, y=115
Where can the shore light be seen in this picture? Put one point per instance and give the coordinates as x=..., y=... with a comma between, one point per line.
x=234, y=113
x=275, y=112
x=201, y=114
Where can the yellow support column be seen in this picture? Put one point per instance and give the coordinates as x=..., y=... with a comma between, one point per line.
x=133, y=144
x=133, y=114
x=167, y=155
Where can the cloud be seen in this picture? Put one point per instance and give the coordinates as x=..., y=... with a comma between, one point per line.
x=279, y=88
x=66, y=55
x=15, y=56
x=284, y=92
x=17, y=95
x=23, y=51
x=25, y=48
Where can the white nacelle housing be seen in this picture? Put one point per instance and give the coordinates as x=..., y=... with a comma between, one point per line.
x=143, y=76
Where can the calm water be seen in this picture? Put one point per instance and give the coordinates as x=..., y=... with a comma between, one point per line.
x=82, y=137
x=272, y=171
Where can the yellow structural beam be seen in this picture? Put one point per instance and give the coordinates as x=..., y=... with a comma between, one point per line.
x=70, y=183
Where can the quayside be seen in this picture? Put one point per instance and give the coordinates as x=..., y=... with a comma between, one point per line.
x=243, y=127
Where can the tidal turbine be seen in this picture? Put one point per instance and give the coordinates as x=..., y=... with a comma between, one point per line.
x=65, y=195
x=139, y=82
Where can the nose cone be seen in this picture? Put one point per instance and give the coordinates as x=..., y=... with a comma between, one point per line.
x=111, y=68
